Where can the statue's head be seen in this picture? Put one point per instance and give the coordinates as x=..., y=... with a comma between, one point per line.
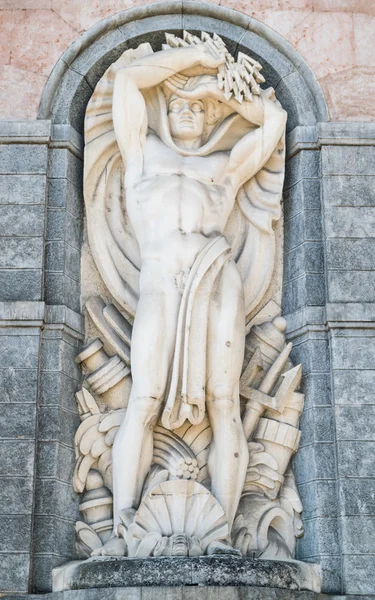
x=191, y=120
x=186, y=118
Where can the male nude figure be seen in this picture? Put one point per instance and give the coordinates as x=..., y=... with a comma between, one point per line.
x=177, y=204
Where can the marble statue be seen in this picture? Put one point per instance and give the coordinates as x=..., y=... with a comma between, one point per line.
x=185, y=442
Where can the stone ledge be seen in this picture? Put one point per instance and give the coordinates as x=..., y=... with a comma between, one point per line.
x=113, y=572
x=182, y=593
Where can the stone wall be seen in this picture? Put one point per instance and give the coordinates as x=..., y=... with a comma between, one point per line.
x=328, y=295
x=335, y=37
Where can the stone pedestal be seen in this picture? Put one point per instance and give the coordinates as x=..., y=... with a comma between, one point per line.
x=111, y=572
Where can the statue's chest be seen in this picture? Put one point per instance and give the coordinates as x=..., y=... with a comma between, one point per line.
x=159, y=159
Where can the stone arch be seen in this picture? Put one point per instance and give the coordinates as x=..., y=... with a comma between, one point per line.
x=75, y=75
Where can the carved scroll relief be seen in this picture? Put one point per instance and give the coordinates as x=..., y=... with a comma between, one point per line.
x=184, y=165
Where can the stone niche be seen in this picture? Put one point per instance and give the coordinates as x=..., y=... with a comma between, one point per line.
x=185, y=443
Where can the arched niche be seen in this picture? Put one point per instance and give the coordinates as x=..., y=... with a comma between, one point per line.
x=75, y=75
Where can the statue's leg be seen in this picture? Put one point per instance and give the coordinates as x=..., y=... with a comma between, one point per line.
x=152, y=348
x=228, y=457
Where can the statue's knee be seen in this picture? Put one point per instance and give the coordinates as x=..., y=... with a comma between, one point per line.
x=221, y=402
x=145, y=409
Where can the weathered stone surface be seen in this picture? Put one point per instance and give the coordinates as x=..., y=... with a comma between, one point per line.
x=20, y=283
x=17, y=421
x=349, y=190
x=14, y=571
x=22, y=189
x=351, y=286
x=354, y=387
x=348, y=160
x=23, y=158
x=22, y=253
x=16, y=495
x=356, y=457
x=202, y=571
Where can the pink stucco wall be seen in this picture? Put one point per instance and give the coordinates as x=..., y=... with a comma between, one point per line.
x=336, y=37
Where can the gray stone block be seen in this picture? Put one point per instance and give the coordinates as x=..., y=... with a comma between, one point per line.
x=61, y=289
x=358, y=534
x=303, y=226
x=355, y=459
x=55, y=256
x=62, y=164
x=319, y=499
x=74, y=231
x=315, y=462
x=151, y=29
x=359, y=574
x=303, y=165
x=15, y=533
x=56, y=221
x=70, y=104
x=22, y=189
x=349, y=222
x=20, y=284
x=348, y=160
x=347, y=190
x=54, y=535
x=16, y=495
x=332, y=576
x=306, y=258
x=23, y=158
x=96, y=58
x=317, y=389
x=351, y=286
x=72, y=263
x=353, y=352
x=57, y=424
x=41, y=576
x=19, y=351
x=56, y=498
x=18, y=385
x=355, y=423
x=17, y=421
x=354, y=387
x=356, y=496
x=55, y=460
x=21, y=220
x=14, y=572
x=22, y=253
x=350, y=254
x=58, y=355
x=307, y=290
x=317, y=425
x=17, y=458
x=58, y=389
x=312, y=353
x=303, y=195
x=297, y=100
x=321, y=537
x=34, y=129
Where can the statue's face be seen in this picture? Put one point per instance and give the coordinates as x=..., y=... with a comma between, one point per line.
x=186, y=118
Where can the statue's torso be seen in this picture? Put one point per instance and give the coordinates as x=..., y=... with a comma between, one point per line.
x=177, y=203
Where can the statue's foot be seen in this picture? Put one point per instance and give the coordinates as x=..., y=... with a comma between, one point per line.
x=222, y=547
x=114, y=547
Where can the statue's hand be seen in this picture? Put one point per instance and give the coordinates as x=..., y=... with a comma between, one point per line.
x=207, y=87
x=209, y=56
